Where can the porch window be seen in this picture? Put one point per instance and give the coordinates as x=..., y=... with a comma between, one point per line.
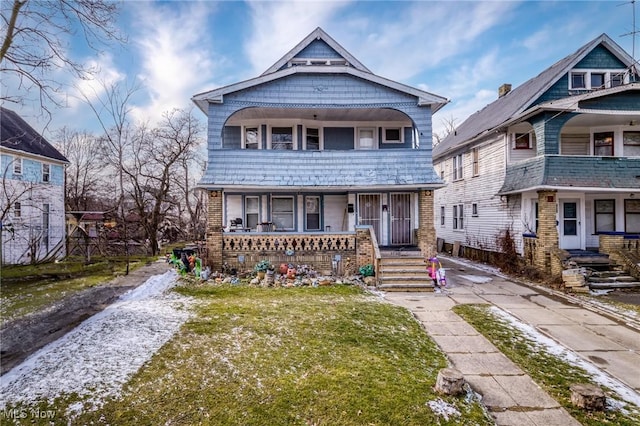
x=458, y=216
x=17, y=166
x=46, y=172
x=631, y=144
x=392, y=135
x=282, y=213
x=603, y=144
x=366, y=138
x=312, y=213
x=442, y=221
x=632, y=216
x=475, y=158
x=251, y=212
x=578, y=80
x=282, y=138
x=251, y=138
x=17, y=209
x=313, y=139
x=605, y=215
x=457, y=167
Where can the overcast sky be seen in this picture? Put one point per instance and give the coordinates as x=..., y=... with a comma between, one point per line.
x=462, y=51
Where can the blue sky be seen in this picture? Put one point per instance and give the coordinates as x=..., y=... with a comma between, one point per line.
x=459, y=50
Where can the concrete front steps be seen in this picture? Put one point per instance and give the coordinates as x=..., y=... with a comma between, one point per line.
x=403, y=271
x=612, y=279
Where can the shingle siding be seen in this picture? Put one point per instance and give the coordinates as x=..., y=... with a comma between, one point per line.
x=341, y=169
x=629, y=101
x=318, y=49
x=600, y=58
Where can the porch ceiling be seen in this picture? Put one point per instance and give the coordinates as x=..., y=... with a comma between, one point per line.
x=320, y=114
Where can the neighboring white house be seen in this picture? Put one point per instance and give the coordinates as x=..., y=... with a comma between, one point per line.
x=32, y=193
x=565, y=144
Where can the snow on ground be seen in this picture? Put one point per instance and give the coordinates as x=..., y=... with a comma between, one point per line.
x=476, y=279
x=622, y=390
x=96, y=358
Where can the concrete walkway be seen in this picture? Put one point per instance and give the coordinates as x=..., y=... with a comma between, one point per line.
x=510, y=395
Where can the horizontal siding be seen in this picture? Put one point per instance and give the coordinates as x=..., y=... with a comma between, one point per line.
x=574, y=144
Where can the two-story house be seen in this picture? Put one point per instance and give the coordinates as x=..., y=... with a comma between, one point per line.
x=555, y=160
x=32, y=196
x=310, y=151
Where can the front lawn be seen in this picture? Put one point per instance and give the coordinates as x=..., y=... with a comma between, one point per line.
x=296, y=356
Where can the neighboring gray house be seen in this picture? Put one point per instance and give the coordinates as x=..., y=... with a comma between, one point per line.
x=556, y=160
x=32, y=194
x=310, y=150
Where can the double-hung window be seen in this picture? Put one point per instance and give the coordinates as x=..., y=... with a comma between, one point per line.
x=457, y=167
x=17, y=166
x=475, y=157
x=458, y=216
x=603, y=144
x=46, y=172
x=578, y=80
x=251, y=211
x=313, y=139
x=367, y=138
x=312, y=213
x=631, y=144
x=442, y=221
x=632, y=216
x=392, y=135
x=251, y=138
x=605, y=215
x=282, y=138
x=282, y=213
x=17, y=210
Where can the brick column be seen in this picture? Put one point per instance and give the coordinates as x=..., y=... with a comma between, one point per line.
x=609, y=243
x=214, y=231
x=426, y=227
x=364, y=246
x=547, y=231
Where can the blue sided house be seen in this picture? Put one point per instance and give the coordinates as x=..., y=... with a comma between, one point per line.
x=32, y=205
x=318, y=161
x=555, y=161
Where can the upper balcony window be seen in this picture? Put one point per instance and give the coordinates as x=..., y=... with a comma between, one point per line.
x=603, y=144
x=367, y=138
x=521, y=141
x=251, y=138
x=392, y=135
x=596, y=79
x=313, y=139
x=631, y=144
x=282, y=138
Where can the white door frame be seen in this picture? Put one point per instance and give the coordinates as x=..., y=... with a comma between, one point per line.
x=570, y=220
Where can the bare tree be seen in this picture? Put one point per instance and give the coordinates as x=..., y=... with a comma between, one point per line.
x=449, y=129
x=84, y=176
x=112, y=110
x=155, y=159
x=36, y=37
x=192, y=208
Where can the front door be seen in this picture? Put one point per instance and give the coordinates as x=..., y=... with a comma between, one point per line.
x=369, y=212
x=569, y=226
x=400, y=219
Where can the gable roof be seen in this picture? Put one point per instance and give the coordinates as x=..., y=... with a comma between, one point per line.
x=317, y=34
x=352, y=67
x=511, y=105
x=17, y=134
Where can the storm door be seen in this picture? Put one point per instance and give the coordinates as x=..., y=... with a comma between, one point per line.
x=570, y=225
x=369, y=212
x=400, y=209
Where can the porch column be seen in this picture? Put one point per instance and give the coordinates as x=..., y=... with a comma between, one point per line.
x=214, y=231
x=547, y=231
x=426, y=227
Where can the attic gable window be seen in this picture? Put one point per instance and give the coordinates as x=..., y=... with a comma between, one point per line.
x=317, y=61
x=596, y=79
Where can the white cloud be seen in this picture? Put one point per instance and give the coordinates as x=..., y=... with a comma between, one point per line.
x=176, y=51
x=279, y=26
x=91, y=89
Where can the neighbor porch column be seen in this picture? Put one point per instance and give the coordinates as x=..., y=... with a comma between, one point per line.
x=426, y=227
x=547, y=231
x=214, y=231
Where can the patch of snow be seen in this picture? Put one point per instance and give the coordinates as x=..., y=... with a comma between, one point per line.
x=442, y=408
x=551, y=346
x=477, y=279
x=101, y=354
x=600, y=292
